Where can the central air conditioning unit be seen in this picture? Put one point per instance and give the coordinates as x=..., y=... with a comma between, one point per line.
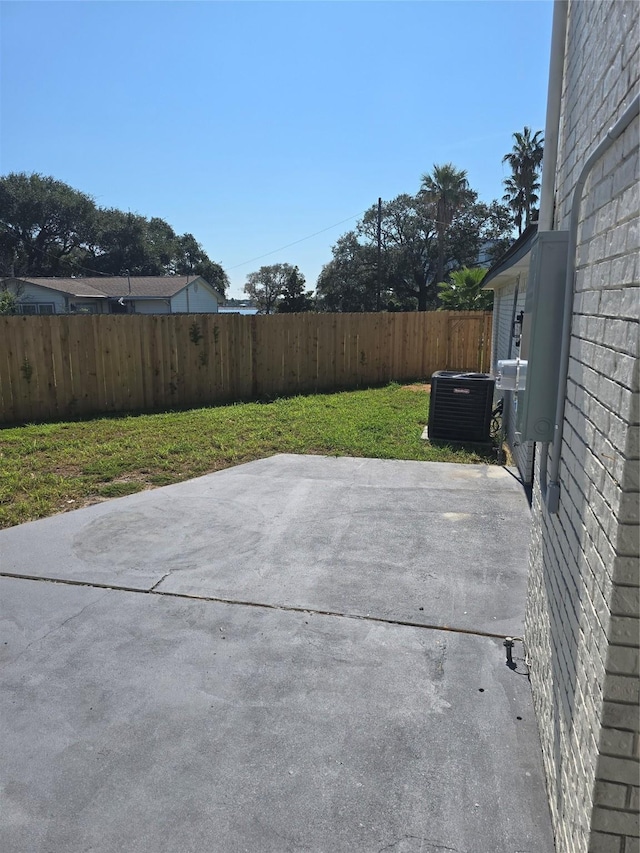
x=461, y=406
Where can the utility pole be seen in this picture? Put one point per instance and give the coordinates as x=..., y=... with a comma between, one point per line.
x=379, y=270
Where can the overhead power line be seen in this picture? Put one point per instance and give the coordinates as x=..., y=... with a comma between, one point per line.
x=295, y=242
x=251, y=260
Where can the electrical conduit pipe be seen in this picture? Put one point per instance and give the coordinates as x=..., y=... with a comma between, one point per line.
x=550, y=159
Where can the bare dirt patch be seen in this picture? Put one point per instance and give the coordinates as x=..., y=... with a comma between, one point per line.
x=418, y=386
x=67, y=470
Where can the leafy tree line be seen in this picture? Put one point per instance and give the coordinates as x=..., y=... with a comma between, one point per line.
x=415, y=252
x=423, y=238
x=432, y=244
x=279, y=288
x=47, y=228
x=429, y=242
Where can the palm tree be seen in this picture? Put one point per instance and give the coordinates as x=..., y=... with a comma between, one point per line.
x=515, y=198
x=525, y=159
x=447, y=190
x=463, y=291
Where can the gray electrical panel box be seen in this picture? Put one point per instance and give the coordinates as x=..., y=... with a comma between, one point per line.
x=542, y=337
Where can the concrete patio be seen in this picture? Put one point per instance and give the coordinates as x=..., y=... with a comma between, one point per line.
x=297, y=654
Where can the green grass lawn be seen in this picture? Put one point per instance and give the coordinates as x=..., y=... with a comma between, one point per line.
x=51, y=468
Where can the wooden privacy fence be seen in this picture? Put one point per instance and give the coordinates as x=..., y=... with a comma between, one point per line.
x=70, y=365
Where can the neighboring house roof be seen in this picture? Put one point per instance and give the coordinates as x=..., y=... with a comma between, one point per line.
x=134, y=287
x=515, y=260
x=69, y=286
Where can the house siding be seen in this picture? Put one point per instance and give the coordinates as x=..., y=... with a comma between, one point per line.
x=504, y=347
x=151, y=306
x=32, y=294
x=582, y=624
x=196, y=298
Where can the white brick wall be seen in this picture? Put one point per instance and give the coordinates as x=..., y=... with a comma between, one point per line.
x=582, y=623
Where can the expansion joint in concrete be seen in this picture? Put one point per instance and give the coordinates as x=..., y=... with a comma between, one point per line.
x=261, y=605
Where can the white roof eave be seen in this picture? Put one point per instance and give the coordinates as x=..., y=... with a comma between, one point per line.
x=509, y=275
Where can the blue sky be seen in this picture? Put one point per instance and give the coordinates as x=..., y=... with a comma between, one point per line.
x=253, y=125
